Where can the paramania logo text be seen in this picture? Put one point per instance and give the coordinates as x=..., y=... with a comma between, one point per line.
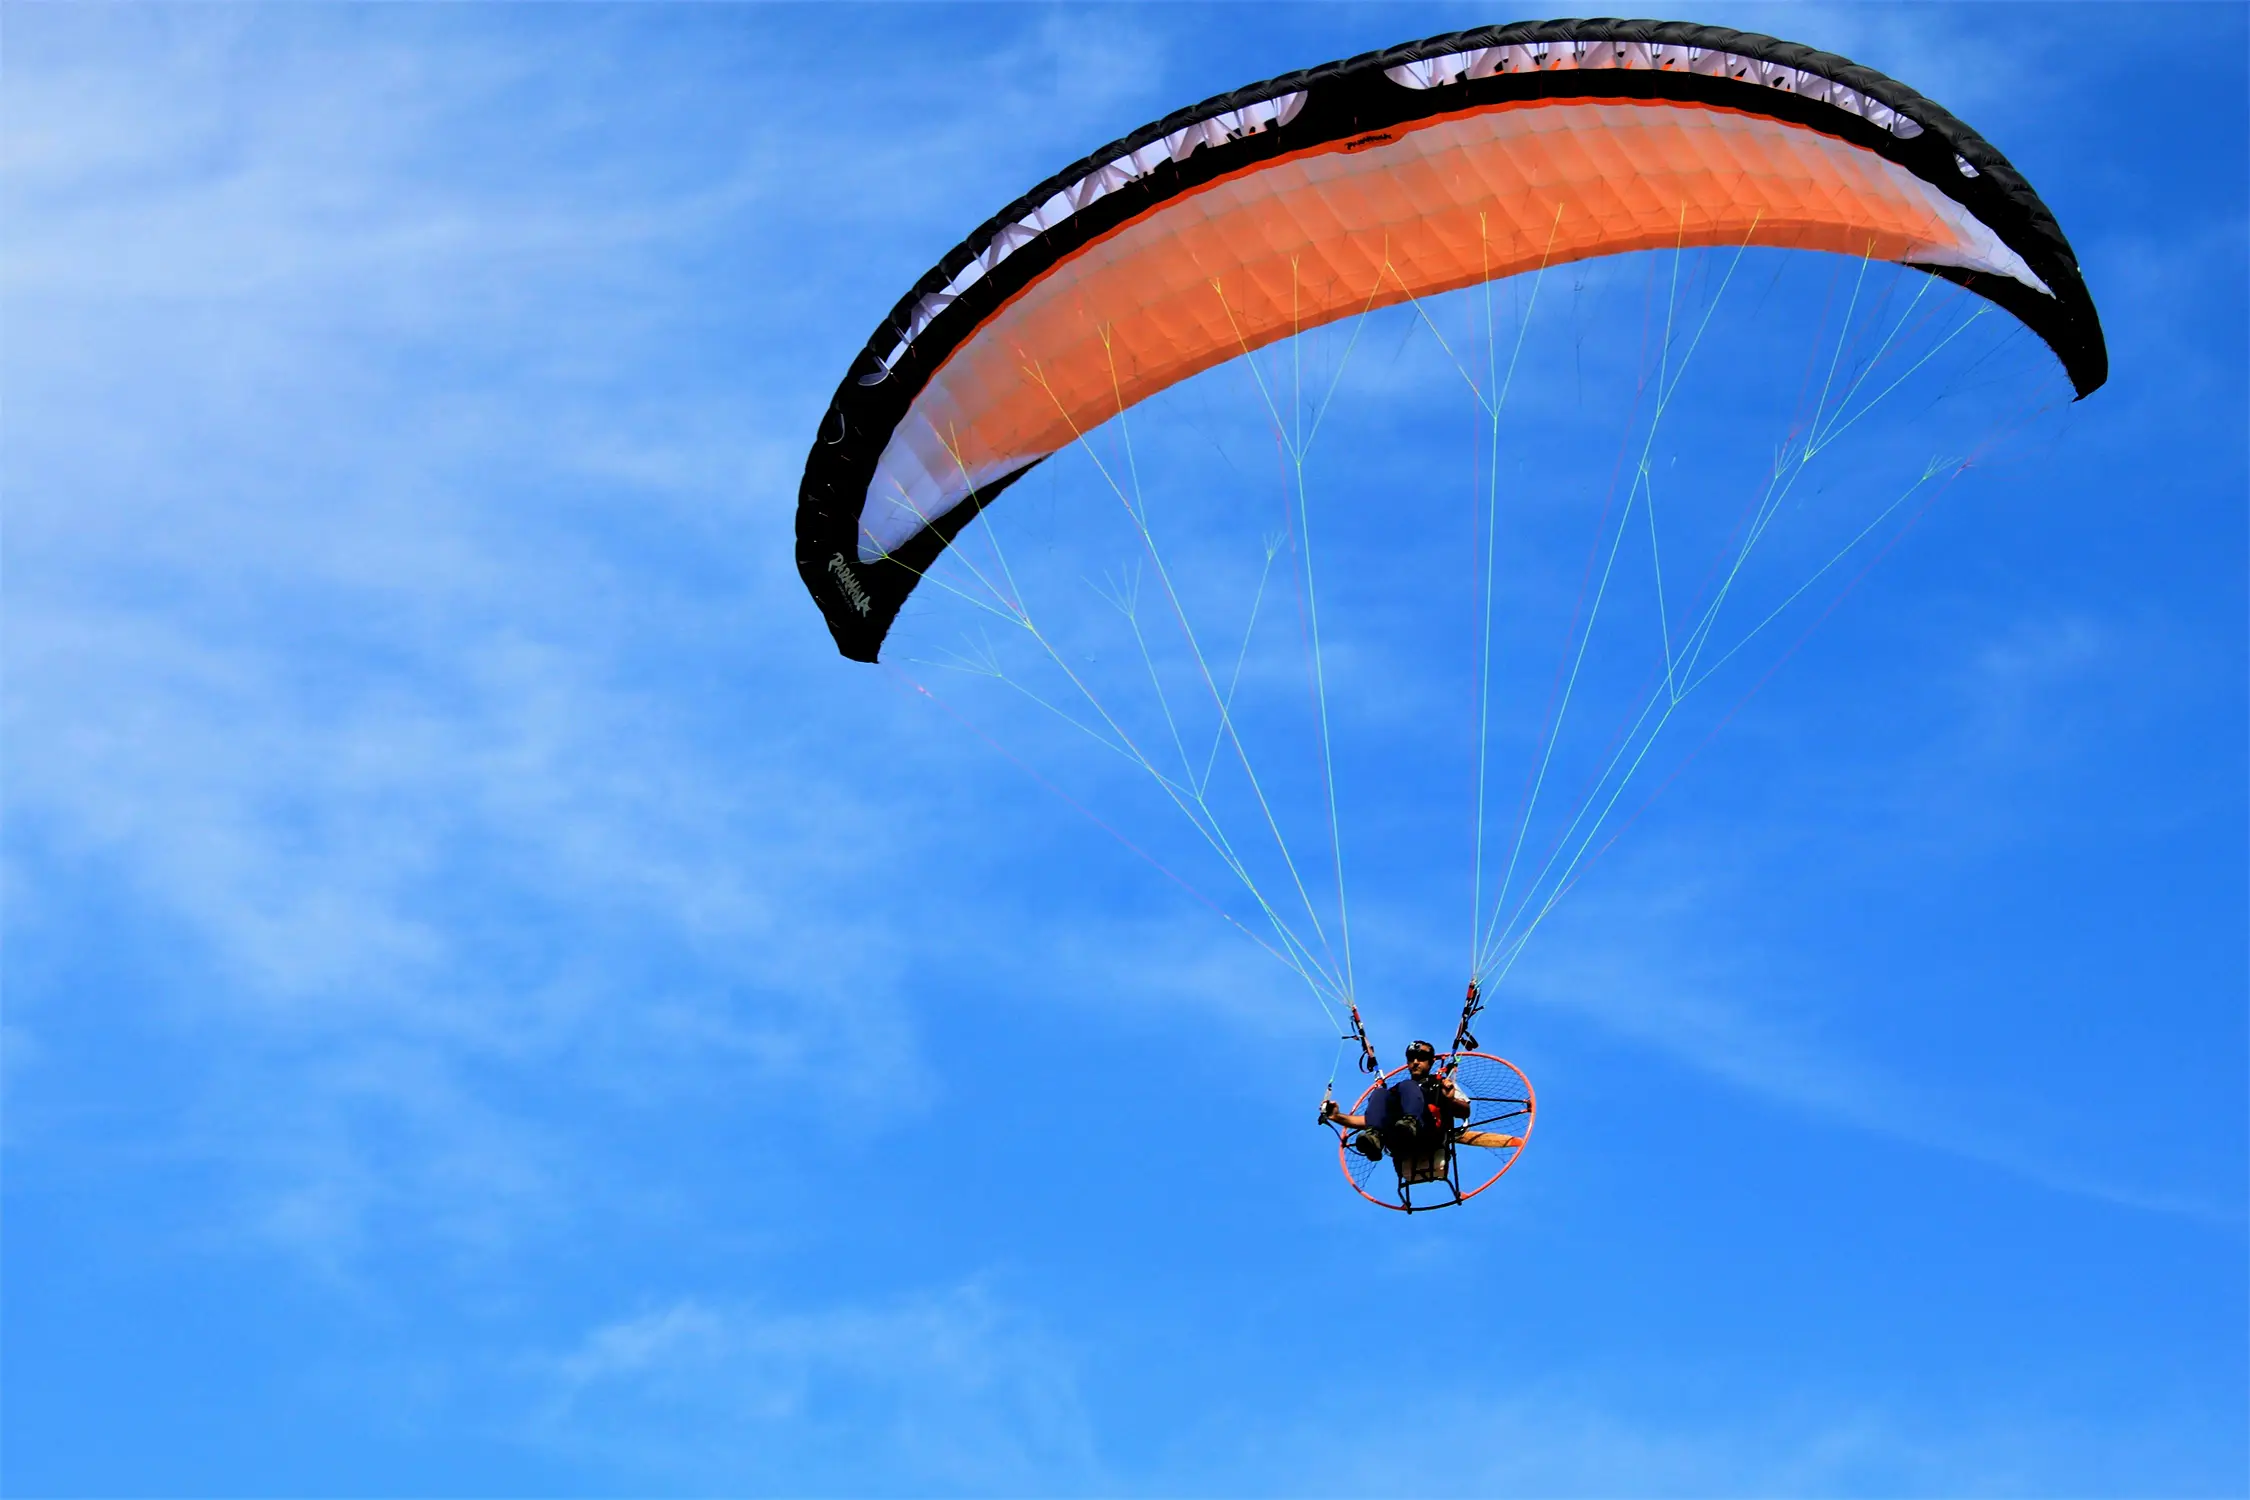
x=852, y=590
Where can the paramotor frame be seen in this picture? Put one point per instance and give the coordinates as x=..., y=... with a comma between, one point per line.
x=1476, y=1153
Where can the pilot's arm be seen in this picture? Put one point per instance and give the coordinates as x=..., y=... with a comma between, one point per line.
x=1329, y=1111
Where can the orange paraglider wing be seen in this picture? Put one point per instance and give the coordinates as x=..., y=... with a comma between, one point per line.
x=1396, y=175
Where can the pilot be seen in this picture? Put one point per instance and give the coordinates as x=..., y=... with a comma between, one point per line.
x=1411, y=1116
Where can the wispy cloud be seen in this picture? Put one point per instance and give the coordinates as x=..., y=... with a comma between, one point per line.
x=1628, y=960
x=938, y=1393
x=1683, y=1429
x=383, y=628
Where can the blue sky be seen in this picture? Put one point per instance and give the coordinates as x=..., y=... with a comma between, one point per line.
x=452, y=882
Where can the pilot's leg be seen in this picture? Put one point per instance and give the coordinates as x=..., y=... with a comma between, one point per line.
x=1371, y=1138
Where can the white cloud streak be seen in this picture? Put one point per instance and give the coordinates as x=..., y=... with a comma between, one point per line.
x=944, y=1392
x=384, y=620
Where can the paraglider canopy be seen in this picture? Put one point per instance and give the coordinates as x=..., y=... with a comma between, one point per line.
x=1329, y=192
x=1288, y=216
